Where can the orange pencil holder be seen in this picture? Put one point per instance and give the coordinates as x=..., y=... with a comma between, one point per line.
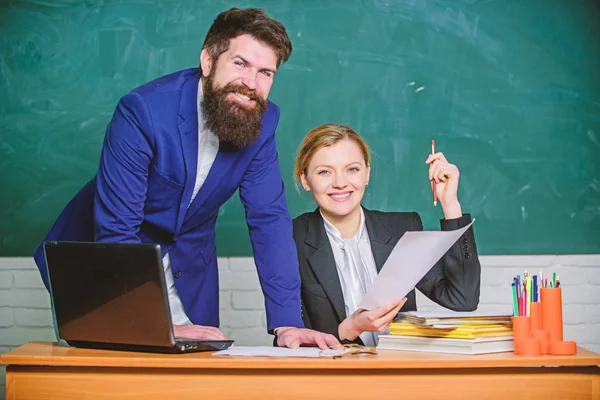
x=535, y=312
x=530, y=347
x=552, y=321
x=542, y=336
x=521, y=331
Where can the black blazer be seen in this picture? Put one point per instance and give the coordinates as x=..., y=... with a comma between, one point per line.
x=453, y=282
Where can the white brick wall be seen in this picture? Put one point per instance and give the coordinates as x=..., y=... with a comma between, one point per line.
x=25, y=305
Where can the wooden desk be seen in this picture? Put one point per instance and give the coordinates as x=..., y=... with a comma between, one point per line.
x=39, y=370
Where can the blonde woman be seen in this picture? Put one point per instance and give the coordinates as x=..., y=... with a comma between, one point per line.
x=342, y=245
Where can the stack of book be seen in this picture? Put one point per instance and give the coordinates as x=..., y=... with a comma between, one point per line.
x=450, y=332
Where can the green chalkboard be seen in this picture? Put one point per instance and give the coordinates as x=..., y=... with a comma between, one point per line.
x=510, y=90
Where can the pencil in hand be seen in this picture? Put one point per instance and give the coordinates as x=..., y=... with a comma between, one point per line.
x=433, y=187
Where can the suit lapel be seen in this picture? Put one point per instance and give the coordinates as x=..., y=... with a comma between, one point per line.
x=188, y=132
x=380, y=237
x=322, y=263
x=223, y=162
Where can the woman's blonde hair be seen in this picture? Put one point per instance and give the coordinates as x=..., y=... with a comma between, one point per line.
x=324, y=136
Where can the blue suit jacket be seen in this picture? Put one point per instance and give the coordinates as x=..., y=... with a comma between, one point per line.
x=145, y=181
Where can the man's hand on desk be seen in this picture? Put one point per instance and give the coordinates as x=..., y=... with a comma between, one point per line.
x=295, y=337
x=199, y=332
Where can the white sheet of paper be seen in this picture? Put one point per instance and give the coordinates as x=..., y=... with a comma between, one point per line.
x=412, y=257
x=267, y=351
x=456, y=314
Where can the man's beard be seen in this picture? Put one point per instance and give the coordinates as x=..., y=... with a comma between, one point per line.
x=230, y=121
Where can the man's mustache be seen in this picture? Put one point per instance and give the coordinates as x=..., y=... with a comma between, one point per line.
x=243, y=90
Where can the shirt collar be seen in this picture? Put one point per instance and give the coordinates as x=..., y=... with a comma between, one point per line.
x=334, y=233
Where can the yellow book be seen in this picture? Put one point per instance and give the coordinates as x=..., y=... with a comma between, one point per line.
x=462, y=331
x=454, y=335
x=457, y=328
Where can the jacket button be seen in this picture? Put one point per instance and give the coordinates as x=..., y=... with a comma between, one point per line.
x=177, y=274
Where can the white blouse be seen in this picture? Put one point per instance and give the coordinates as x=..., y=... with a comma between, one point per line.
x=355, y=267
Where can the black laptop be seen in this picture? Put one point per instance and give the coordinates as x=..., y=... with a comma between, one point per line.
x=113, y=296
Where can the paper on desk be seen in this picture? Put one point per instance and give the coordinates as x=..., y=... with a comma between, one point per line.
x=412, y=257
x=267, y=351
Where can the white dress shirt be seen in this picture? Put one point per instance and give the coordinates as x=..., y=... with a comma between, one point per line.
x=208, y=147
x=355, y=267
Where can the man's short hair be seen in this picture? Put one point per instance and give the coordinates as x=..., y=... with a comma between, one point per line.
x=252, y=21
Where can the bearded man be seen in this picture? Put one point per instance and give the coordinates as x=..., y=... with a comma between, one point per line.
x=179, y=147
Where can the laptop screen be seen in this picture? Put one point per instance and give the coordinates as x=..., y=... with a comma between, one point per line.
x=109, y=293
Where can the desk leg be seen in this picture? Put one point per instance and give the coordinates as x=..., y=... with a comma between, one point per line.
x=10, y=386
